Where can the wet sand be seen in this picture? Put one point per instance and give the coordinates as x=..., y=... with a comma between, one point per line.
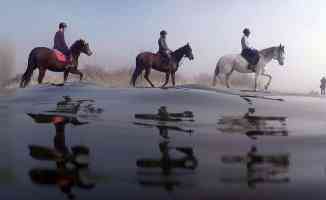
x=238, y=145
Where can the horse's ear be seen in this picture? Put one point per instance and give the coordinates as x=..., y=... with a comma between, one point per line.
x=282, y=46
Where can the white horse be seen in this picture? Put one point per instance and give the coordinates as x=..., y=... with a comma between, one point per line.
x=235, y=62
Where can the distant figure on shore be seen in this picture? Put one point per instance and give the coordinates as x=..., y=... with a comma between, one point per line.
x=249, y=53
x=322, y=86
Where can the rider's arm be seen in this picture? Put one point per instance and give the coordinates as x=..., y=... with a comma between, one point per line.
x=245, y=43
x=63, y=41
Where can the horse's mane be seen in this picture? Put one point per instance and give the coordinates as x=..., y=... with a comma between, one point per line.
x=76, y=44
x=267, y=51
x=179, y=49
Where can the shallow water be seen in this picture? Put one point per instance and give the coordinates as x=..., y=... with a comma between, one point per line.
x=276, y=151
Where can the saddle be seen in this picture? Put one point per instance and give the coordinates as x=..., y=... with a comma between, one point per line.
x=164, y=59
x=61, y=57
x=251, y=56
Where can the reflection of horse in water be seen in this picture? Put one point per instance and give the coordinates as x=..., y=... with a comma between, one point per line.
x=166, y=163
x=230, y=63
x=261, y=168
x=148, y=61
x=164, y=129
x=253, y=125
x=44, y=59
x=163, y=117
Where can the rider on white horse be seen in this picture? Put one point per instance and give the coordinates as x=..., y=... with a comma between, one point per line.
x=249, y=53
x=227, y=64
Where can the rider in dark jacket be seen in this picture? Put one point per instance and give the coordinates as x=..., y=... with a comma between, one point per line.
x=59, y=40
x=163, y=47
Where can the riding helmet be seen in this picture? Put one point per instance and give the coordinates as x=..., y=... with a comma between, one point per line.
x=246, y=31
x=62, y=25
x=163, y=32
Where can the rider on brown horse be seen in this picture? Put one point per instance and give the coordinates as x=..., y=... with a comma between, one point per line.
x=60, y=43
x=164, y=50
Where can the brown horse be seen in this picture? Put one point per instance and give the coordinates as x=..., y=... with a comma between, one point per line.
x=44, y=59
x=147, y=61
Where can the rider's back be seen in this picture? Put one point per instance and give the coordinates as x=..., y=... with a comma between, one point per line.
x=59, y=43
x=163, y=47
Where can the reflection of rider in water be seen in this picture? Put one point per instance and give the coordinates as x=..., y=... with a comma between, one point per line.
x=65, y=183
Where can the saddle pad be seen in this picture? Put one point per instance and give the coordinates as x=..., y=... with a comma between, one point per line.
x=251, y=56
x=60, y=56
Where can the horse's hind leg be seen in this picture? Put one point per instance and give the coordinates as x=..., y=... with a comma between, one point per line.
x=147, y=73
x=227, y=78
x=173, y=78
x=41, y=75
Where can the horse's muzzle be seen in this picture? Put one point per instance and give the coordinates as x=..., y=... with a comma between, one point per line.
x=281, y=63
x=89, y=53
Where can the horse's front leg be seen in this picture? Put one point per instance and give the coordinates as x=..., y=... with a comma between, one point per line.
x=66, y=74
x=269, y=80
x=173, y=78
x=77, y=72
x=167, y=77
x=256, y=80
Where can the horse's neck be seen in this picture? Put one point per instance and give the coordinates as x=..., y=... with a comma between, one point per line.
x=267, y=54
x=178, y=55
x=75, y=55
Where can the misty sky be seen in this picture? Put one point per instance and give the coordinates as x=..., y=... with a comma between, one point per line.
x=118, y=30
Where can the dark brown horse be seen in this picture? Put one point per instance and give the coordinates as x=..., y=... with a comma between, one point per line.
x=44, y=59
x=148, y=61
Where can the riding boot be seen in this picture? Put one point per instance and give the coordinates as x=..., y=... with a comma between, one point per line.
x=251, y=67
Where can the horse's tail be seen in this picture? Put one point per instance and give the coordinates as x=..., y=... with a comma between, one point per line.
x=138, y=70
x=26, y=78
x=216, y=72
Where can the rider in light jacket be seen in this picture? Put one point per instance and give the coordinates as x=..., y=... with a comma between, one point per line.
x=163, y=47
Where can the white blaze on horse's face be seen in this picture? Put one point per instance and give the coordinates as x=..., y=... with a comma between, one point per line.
x=280, y=55
x=86, y=48
x=189, y=53
x=89, y=52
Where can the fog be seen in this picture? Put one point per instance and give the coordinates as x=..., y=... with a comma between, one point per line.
x=118, y=31
x=7, y=60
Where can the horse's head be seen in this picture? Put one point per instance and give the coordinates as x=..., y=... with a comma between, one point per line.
x=188, y=52
x=279, y=54
x=81, y=46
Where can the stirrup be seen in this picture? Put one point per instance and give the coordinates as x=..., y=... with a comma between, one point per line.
x=252, y=68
